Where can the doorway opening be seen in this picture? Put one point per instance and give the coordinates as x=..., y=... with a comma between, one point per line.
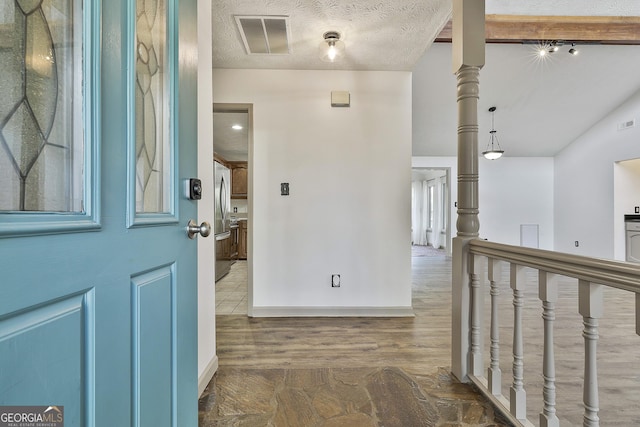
x=232, y=146
x=626, y=181
x=430, y=212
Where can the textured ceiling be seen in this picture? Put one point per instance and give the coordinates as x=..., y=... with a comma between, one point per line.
x=231, y=144
x=541, y=107
x=378, y=35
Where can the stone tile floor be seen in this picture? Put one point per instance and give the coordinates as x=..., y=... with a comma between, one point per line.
x=341, y=397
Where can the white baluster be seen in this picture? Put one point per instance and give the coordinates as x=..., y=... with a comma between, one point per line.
x=591, y=308
x=494, y=374
x=518, y=396
x=476, y=317
x=548, y=293
x=638, y=314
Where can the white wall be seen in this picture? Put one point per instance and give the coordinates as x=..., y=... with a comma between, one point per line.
x=512, y=191
x=349, y=171
x=515, y=191
x=584, y=183
x=207, y=359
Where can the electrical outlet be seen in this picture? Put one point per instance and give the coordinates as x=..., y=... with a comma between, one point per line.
x=335, y=280
x=577, y=243
x=637, y=209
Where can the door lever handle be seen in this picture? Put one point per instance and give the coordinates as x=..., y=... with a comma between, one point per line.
x=193, y=229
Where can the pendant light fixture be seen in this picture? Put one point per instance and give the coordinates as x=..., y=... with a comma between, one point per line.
x=493, y=151
x=331, y=48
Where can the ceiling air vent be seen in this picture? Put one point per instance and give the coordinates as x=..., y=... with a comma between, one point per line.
x=264, y=35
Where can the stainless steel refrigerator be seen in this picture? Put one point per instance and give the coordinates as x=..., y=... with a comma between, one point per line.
x=222, y=226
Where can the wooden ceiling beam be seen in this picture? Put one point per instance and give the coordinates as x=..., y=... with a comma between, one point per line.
x=587, y=29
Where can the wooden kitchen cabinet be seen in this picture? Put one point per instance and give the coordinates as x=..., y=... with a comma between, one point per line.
x=242, y=240
x=239, y=178
x=233, y=243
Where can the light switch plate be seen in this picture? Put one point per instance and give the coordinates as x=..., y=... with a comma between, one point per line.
x=284, y=189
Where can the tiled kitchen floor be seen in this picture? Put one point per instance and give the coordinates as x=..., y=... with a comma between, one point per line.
x=231, y=291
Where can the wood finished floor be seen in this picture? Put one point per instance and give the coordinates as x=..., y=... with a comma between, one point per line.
x=413, y=343
x=251, y=350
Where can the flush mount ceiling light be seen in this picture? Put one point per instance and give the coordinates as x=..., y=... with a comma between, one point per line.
x=493, y=151
x=331, y=48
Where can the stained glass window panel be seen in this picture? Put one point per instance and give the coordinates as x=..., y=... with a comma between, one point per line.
x=41, y=140
x=153, y=171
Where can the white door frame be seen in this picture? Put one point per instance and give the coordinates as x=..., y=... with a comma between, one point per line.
x=207, y=358
x=235, y=107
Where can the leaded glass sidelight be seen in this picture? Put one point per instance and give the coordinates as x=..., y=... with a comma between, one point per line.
x=153, y=167
x=41, y=140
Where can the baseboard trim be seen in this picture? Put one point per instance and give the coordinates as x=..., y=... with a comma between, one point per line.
x=332, y=312
x=206, y=376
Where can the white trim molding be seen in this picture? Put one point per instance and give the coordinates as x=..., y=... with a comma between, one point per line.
x=333, y=312
x=206, y=376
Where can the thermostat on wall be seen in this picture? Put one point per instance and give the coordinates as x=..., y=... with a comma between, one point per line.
x=340, y=98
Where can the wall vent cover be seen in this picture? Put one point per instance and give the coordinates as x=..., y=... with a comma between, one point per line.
x=264, y=35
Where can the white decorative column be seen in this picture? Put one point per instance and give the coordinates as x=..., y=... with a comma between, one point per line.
x=468, y=58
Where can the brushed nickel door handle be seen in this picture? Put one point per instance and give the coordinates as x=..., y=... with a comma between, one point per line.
x=193, y=229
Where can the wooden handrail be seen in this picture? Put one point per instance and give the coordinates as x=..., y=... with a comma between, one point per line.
x=616, y=274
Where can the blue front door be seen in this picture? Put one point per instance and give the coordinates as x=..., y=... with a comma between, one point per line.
x=97, y=274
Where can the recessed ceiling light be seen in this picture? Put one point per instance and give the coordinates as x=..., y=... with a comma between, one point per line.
x=236, y=127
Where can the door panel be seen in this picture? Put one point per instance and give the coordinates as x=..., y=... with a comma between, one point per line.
x=633, y=246
x=53, y=354
x=153, y=336
x=98, y=304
